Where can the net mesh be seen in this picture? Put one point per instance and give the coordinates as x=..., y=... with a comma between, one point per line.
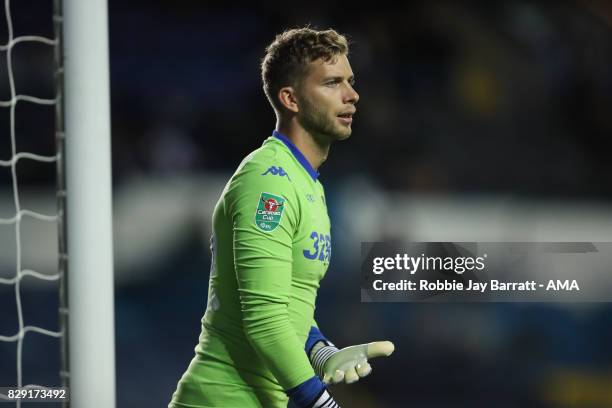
x=10, y=162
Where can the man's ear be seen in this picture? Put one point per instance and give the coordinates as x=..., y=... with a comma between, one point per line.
x=288, y=99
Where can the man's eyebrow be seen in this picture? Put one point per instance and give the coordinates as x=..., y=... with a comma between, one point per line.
x=338, y=79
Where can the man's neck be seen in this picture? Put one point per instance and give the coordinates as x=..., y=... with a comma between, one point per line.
x=315, y=152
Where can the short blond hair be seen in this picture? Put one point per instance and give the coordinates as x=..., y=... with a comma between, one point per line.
x=288, y=56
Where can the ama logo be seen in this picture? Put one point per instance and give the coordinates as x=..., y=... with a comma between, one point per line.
x=269, y=211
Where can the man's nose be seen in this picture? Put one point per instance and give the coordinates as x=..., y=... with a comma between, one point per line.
x=352, y=96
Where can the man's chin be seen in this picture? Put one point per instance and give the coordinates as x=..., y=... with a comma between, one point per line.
x=344, y=134
x=336, y=134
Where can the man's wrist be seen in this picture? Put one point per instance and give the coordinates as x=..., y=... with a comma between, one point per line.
x=319, y=355
x=307, y=393
x=314, y=337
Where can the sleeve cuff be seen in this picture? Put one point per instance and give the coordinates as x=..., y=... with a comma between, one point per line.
x=307, y=392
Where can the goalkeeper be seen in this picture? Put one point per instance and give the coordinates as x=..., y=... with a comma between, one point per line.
x=271, y=246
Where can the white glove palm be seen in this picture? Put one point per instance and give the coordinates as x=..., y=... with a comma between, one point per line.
x=349, y=364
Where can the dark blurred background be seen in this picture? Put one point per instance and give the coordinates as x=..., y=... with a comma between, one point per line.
x=477, y=121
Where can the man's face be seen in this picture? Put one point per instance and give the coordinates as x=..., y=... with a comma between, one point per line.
x=327, y=100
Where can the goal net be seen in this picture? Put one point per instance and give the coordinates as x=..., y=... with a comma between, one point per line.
x=55, y=98
x=20, y=49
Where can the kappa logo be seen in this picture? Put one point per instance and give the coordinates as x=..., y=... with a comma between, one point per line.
x=269, y=211
x=276, y=171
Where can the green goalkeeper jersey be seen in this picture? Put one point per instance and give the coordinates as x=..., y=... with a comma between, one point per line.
x=271, y=246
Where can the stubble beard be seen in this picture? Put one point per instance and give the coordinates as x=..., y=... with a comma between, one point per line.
x=318, y=123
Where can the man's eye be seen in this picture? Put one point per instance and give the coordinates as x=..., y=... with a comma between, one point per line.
x=334, y=83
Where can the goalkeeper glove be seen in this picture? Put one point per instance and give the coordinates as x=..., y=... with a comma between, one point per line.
x=349, y=364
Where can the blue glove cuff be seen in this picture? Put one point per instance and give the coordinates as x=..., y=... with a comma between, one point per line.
x=315, y=336
x=305, y=394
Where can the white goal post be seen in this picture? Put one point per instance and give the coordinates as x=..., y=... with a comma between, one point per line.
x=91, y=340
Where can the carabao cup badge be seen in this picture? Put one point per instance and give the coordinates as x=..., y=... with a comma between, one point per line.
x=269, y=211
